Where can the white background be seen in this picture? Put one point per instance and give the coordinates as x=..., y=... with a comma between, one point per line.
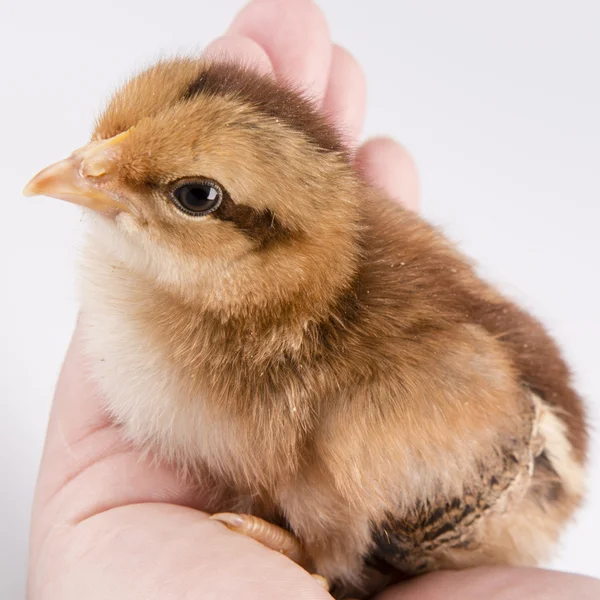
x=498, y=101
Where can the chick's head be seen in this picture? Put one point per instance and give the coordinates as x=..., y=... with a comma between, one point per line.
x=218, y=184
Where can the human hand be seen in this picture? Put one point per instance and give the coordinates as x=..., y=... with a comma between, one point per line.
x=108, y=523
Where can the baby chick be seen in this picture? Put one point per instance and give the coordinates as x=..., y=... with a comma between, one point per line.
x=320, y=358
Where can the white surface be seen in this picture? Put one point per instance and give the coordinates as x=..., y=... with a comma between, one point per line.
x=498, y=102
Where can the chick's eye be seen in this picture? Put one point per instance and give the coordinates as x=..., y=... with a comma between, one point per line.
x=198, y=199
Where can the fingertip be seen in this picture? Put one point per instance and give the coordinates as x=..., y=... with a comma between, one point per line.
x=295, y=36
x=346, y=95
x=241, y=49
x=389, y=166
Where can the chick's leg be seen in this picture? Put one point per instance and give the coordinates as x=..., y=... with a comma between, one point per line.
x=269, y=535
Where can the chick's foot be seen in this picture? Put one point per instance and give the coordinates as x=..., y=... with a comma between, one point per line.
x=269, y=535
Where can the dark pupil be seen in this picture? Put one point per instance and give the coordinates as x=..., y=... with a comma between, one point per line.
x=197, y=198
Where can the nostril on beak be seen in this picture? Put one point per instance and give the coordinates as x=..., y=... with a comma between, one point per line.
x=93, y=167
x=99, y=158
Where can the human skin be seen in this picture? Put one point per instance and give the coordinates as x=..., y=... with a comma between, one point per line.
x=108, y=523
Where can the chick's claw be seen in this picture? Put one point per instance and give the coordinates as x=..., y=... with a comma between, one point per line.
x=321, y=580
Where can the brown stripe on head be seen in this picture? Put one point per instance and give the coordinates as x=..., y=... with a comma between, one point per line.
x=268, y=97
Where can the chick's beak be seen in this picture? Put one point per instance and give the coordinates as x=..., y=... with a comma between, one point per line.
x=83, y=178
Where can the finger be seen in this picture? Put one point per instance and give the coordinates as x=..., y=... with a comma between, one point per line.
x=388, y=166
x=159, y=551
x=240, y=49
x=496, y=583
x=295, y=36
x=346, y=95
